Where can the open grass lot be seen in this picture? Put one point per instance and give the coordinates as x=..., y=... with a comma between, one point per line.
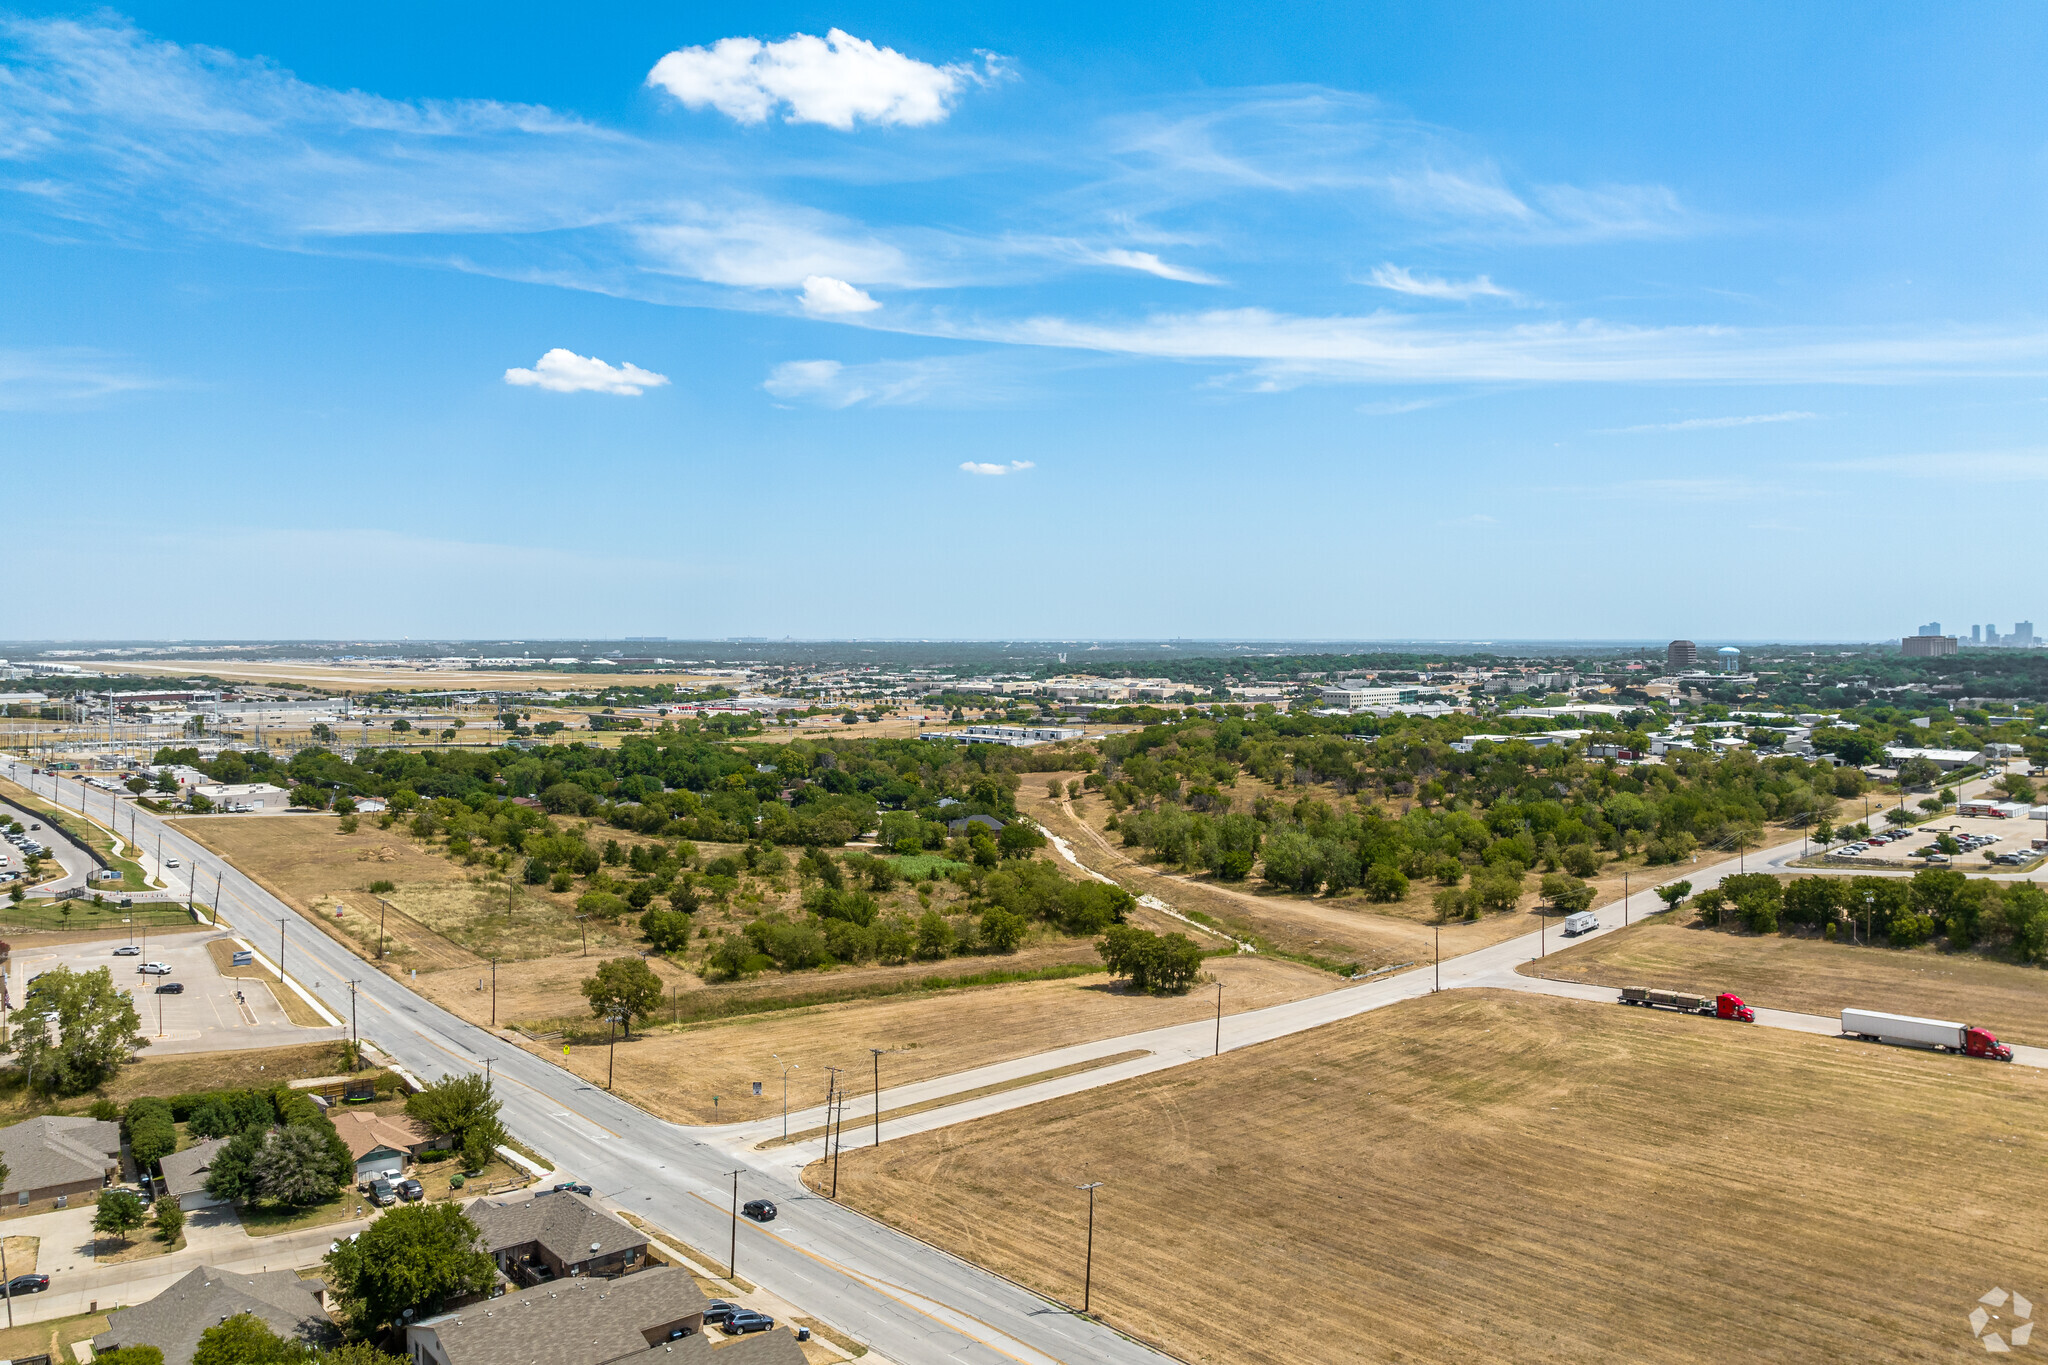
x=1483, y=1175
x=86, y=920
x=1812, y=976
x=675, y=1072
x=52, y=1338
x=179, y=1073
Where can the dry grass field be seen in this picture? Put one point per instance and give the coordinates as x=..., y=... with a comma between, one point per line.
x=1811, y=976
x=182, y=1072
x=1483, y=1175
x=675, y=1072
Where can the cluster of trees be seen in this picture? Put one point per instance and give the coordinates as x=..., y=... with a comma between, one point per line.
x=74, y=1030
x=1934, y=902
x=411, y=1261
x=464, y=1108
x=281, y=1146
x=1159, y=963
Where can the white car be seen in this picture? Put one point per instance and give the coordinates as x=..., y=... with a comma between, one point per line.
x=170, y=862
x=127, y=950
x=155, y=969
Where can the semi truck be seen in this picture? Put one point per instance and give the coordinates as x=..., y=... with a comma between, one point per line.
x=1941, y=1035
x=1722, y=1006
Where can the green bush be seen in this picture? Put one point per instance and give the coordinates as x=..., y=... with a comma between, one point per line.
x=1159, y=963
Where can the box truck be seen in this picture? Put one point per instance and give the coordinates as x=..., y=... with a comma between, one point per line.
x=1580, y=922
x=1722, y=1006
x=1907, y=1030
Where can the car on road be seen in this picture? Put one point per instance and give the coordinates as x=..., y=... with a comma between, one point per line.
x=127, y=950
x=28, y=1284
x=170, y=988
x=760, y=1210
x=170, y=862
x=411, y=1191
x=720, y=1312
x=745, y=1321
x=573, y=1187
x=155, y=969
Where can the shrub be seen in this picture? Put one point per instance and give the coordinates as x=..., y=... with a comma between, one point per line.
x=1707, y=904
x=600, y=905
x=151, y=1134
x=1384, y=882
x=170, y=1220
x=934, y=935
x=1001, y=930
x=381, y=888
x=1581, y=860
x=1159, y=963
x=1909, y=930
x=1759, y=914
x=1565, y=891
x=667, y=930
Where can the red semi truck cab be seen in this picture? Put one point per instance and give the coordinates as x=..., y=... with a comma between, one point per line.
x=1979, y=1042
x=1728, y=1006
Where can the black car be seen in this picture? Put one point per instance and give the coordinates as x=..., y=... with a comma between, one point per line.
x=411, y=1191
x=28, y=1284
x=574, y=1187
x=747, y=1320
x=720, y=1312
x=171, y=988
x=760, y=1210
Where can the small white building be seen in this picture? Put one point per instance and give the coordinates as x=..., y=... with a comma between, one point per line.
x=244, y=796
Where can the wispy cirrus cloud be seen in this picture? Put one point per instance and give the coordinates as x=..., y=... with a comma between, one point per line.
x=937, y=381
x=62, y=377
x=1710, y=423
x=996, y=470
x=1403, y=281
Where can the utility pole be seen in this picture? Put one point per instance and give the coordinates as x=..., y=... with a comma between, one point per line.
x=787, y=1067
x=280, y=950
x=383, y=908
x=355, y=1039
x=1219, y=1021
x=1439, y=960
x=1624, y=900
x=6, y=1292
x=487, y=1071
x=216, y=895
x=831, y=1100
x=584, y=930
x=732, y=1251
x=838, y=1143
x=1088, y=1274
x=613, y=1043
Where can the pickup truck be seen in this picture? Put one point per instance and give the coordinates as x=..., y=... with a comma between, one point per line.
x=1722, y=1006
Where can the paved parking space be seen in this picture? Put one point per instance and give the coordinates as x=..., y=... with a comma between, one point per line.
x=2004, y=835
x=212, y=1013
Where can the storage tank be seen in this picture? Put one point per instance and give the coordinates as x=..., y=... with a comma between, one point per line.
x=1731, y=658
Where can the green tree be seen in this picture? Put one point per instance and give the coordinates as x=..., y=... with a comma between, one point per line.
x=245, y=1340
x=934, y=935
x=74, y=1030
x=1384, y=882
x=228, y=1177
x=416, y=1257
x=1002, y=930
x=462, y=1107
x=306, y=794
x=152, y=1131
x=626, y=983
x=1674, y=895
x=2016, y=787
x=130, y=1355
x=296, y=1165
x=170, y=1220
x=1566, y=892
x=118, y=1212
x=1159, y=963
x=668, y=931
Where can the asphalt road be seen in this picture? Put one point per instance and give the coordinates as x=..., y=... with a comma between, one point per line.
x=910, y=1302
x=58, y=849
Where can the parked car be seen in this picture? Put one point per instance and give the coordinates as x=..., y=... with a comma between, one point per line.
x=745, y=1321
x=760, y=1210
x=155, y=969
x=383, y=1193
x=170, y=988
x=411, y=1191
x=720, y=1312
x=28, y=1284
x=128, y=950
x=574, y=1187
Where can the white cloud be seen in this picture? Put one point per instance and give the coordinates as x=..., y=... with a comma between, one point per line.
x=1151, y=264
x=62, y=376
x=1014, y=466
x=1404, y=281
x=836, y=80
x=561, y=371
x=1710, y=423
x=825, y=296
x=944, y=381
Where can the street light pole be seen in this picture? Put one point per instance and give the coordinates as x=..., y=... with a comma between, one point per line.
x=787, y=1067
x=1088, y=1273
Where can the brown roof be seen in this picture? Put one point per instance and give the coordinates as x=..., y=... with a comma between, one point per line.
x=365, y=1133
x=568, y=1322
x=572, y=1228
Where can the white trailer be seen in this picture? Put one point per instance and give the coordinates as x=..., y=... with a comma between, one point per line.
x=1580, y=922
x=1912, y=1031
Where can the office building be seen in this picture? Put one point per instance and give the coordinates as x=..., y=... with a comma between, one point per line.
x=1927, y=646
x=1680, y=655
x=1931, y=628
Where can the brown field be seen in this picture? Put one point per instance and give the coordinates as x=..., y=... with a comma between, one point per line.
x=53, y=1338
x=1810, y=976
x=675, y=1072
x=1483, y=1175
x=181, y=1073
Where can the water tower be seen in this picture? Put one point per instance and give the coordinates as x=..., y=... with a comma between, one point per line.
x=1730, y=657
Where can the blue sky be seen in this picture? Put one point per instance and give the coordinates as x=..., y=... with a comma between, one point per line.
x=1353, y=321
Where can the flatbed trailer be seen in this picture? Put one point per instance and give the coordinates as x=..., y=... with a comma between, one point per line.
x=1721, y=1006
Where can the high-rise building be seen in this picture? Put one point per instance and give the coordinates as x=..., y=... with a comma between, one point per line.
x=1927, y=646
x=1976, y=635
x=1680, y=655
x=2023, y=634
x=1931, y=628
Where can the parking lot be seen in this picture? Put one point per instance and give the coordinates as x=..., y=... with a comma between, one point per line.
x=1976, y=835
x=211, y=1014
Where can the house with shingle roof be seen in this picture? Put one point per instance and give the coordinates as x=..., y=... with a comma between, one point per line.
x=656, y=1316
x=556, y=1235
x=174, y=1319
x=184, y=1174
x=381, y=1144
x=52, y=1160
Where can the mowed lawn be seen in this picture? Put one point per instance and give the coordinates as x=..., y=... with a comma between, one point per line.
x=1811, y=976
x=1489, y=1176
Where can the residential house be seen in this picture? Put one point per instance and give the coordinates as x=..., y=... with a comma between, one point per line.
x=52, y=1160
x=174, y=1319
x=184, y=1174
x=987, y=822
x=654, y=1317
x=555, y=1236
x=381, y=1144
